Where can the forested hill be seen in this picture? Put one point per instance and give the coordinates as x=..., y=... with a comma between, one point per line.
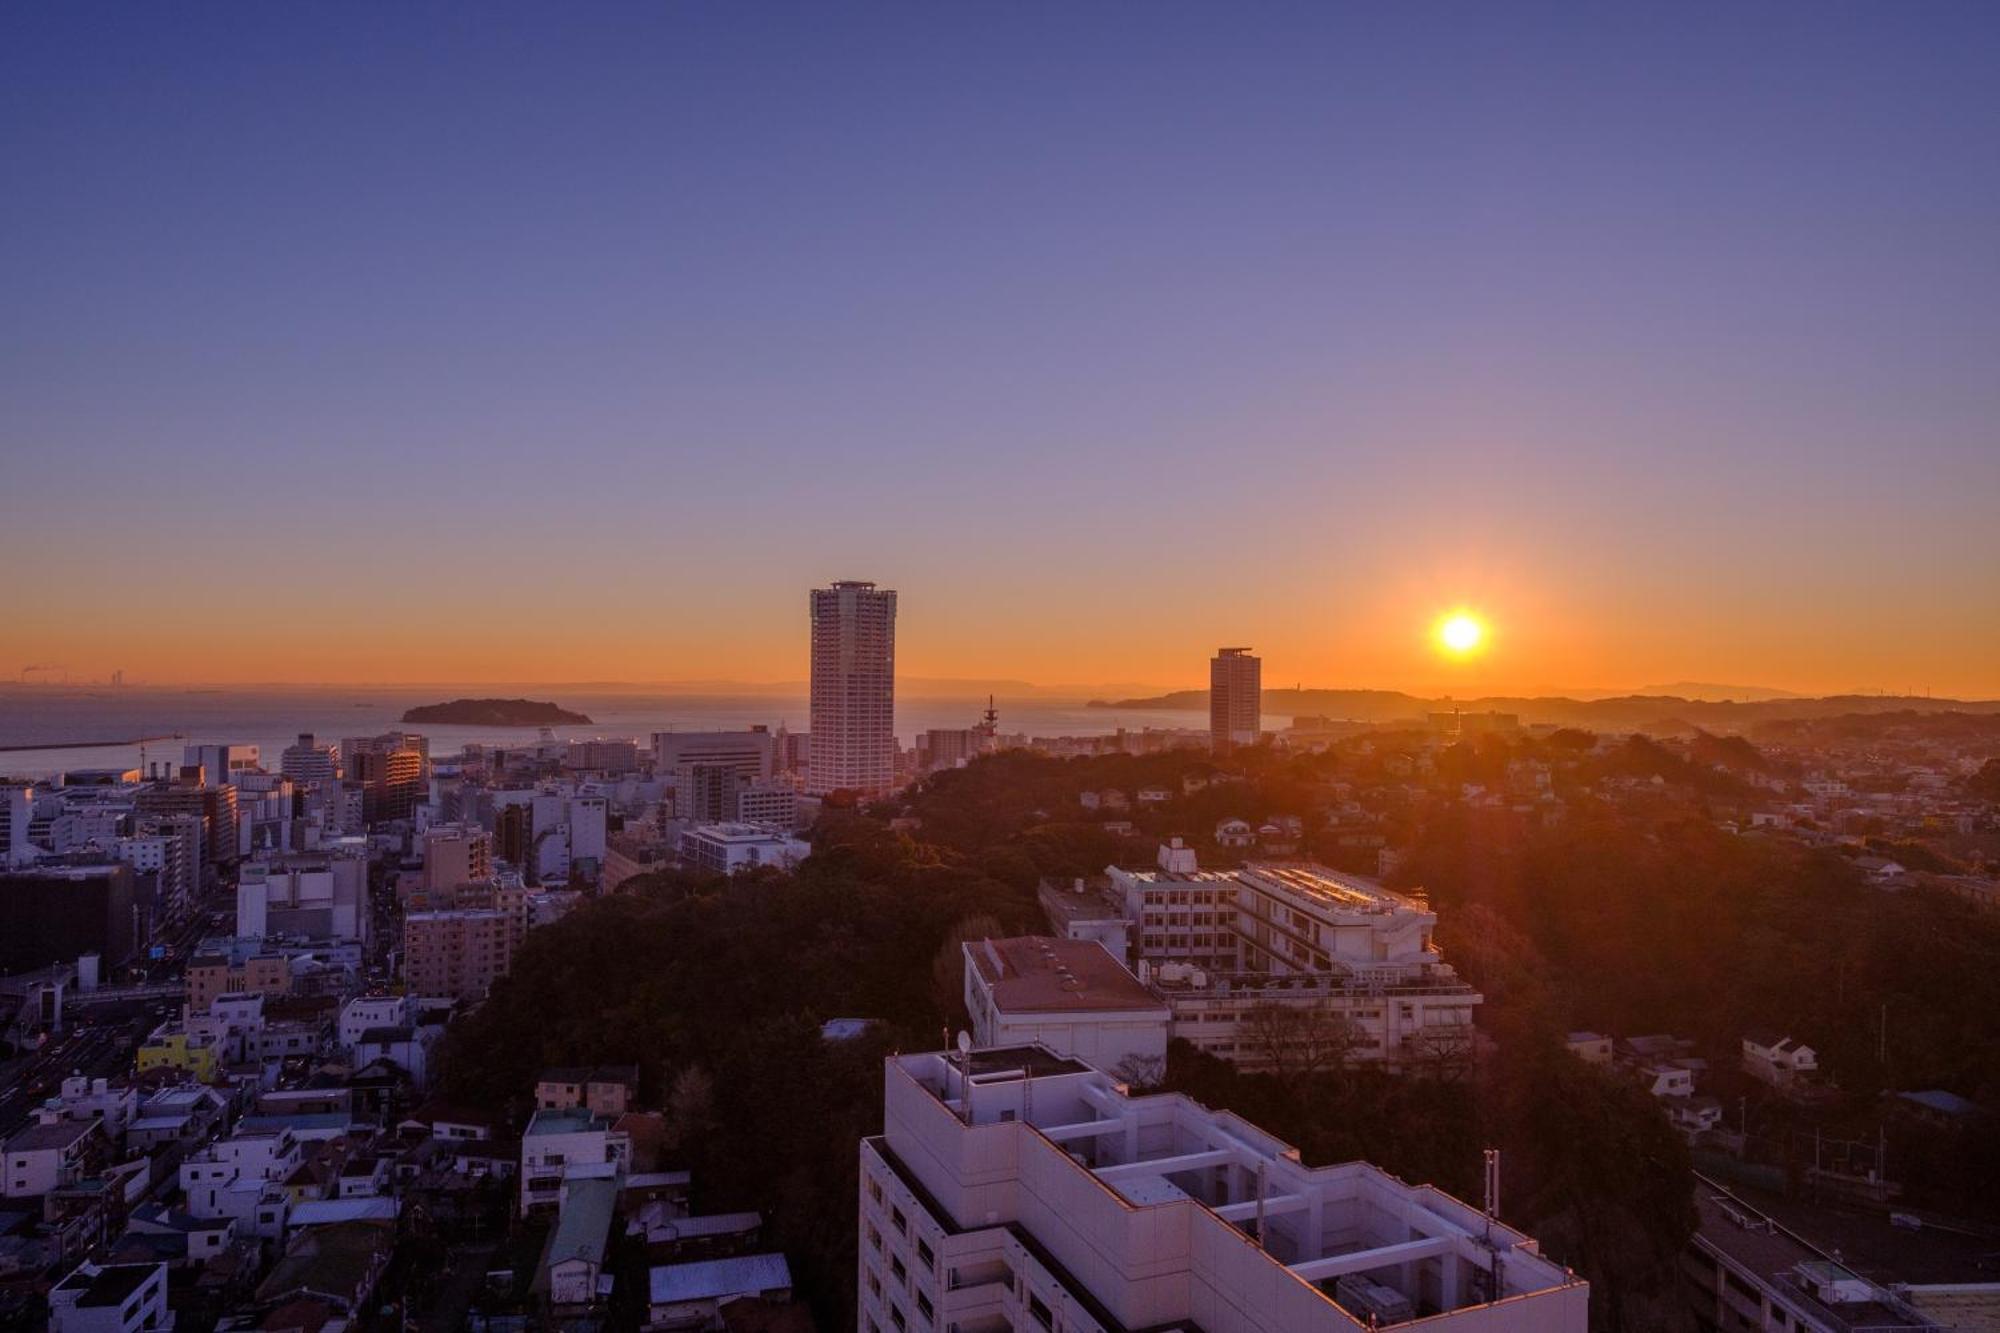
x=1632, y=712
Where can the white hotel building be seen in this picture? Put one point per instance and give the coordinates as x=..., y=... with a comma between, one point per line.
x=1014, y=1189
x=1217, y=945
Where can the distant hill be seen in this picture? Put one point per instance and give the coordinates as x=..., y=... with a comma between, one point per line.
x=1663, y=714
x=1709, y=693
x=496, y=713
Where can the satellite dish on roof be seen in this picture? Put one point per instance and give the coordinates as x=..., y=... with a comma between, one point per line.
x=964, y=1042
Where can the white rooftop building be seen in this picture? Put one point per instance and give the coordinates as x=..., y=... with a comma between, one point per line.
x=1220, y=945
x=1068, y=995
x=1012, y=1188
x=724, y=849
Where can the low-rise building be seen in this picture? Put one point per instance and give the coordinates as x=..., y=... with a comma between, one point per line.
x=692, y=1295
x=1775, y=1058
x=111, y=1298
x=51, y=1156
x=1745, y=1271
x=1068, y=995
x=725, y=849
x=607, y=1090
x=571, y=1144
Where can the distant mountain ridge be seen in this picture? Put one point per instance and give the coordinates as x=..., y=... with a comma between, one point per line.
x=1630, y=712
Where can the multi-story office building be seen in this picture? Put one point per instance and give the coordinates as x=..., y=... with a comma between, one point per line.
x=17, y=812
x=162, y=859
x=1235, y=698
x=220, y=763
x=602, y=756
x=750, y=754
x=390, y=770
x=456, y=854
x=1012, y=1188
x=775, y=803
x=460, y=952
x=708, y=793
x=213, y=804
x=310, y=762
x=55, y=913
x=853, y=689
x=311, y=896
x=948, y=747
x=1224, y=947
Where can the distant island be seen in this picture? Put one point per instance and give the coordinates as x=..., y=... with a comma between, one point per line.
x=496, y=713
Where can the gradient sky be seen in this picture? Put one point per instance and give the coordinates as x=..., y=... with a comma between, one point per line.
x=408, y=342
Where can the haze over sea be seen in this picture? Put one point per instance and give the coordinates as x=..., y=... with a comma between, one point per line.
x=59, y=717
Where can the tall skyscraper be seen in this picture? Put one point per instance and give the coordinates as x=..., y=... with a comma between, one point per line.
x=853, y=689
x=1235, y=698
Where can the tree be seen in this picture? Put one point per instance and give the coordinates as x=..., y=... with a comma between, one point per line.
x=1298, y=1042
x=948, y=967
x=1142, y=1073
x=690, y=1106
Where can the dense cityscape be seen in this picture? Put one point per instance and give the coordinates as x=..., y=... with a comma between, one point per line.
x=1224, y=1027
x=1103, y=667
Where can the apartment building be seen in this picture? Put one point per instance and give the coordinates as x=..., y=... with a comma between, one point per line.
x=456, y=854
x=853, y=689
x=1235, y=699
x=458, y=952
x=1012, y=1188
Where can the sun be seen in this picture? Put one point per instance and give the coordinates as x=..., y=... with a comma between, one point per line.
x=1460, y=633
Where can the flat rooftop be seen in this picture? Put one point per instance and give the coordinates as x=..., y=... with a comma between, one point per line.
x=1334, y=888
x=1043, y=974
x=571, y=1120
x=1753, y=1241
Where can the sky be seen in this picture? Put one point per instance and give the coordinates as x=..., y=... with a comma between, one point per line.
x=490, y=342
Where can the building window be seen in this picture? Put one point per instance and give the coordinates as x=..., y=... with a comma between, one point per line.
x=1041, y=1312
x=925, y=1255
x=897, y=1220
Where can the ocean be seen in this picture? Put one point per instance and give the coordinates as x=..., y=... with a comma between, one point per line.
x=56, y=720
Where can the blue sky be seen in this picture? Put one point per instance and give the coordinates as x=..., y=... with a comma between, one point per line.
x=1107, y=333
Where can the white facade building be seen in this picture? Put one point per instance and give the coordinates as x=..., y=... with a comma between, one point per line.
x=111, y=1298
x=724, y=849
x=1015, y=1189
x=1220, y=947
x=1068, y=995
x=317, y=897
x=570, y=1143
x=853, y=689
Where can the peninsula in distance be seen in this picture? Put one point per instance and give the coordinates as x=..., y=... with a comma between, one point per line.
x=496, y=713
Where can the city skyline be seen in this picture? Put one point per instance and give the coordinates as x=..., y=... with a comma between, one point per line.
x=1661, y=341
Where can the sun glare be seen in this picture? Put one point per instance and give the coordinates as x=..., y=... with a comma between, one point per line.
x=1460, y=634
